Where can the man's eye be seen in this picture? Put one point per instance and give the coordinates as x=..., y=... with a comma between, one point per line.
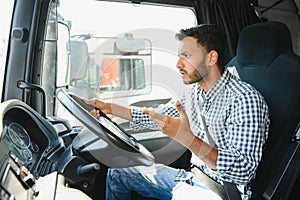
x=187, y=55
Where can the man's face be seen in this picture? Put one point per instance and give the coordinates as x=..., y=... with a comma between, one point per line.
x=191, y=62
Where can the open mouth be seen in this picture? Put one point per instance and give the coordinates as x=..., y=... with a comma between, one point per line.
x=182, y=72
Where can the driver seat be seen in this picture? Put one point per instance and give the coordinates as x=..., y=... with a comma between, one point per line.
x=266, y=60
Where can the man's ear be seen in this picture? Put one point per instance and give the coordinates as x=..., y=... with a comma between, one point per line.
x=212, y=57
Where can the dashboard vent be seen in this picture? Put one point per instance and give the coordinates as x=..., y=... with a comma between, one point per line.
x=45, y=167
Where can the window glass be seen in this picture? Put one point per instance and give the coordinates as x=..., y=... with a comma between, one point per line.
x=104, y=72
x=6, y=10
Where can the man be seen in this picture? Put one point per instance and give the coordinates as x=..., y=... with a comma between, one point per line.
x=221, y=120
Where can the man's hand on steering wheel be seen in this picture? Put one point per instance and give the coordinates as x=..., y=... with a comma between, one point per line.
x=99, y=105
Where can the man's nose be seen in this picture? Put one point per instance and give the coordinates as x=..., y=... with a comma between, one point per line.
x=180, y=64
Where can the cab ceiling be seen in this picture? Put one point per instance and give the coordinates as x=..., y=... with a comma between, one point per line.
x=291, y=5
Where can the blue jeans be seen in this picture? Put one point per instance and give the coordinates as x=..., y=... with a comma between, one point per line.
x=156, y=181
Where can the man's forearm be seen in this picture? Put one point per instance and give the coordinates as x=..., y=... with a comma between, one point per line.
x=204, y=151
x=120, y=111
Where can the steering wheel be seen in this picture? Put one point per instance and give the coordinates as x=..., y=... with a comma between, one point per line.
x=113, y=146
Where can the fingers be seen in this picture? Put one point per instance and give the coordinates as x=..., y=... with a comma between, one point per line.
x=178, y=106
x=90, y=102
x=95, y=113
x=94, y=102
x=145, y=110
x=179, y=109
x=158, y=118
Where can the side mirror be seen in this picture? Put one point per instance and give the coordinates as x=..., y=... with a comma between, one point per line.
x=106, y=68
x=79, y=58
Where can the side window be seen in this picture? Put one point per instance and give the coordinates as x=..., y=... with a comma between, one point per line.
x=6, y=10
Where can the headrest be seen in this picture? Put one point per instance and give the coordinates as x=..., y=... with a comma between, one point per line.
x=261, y=43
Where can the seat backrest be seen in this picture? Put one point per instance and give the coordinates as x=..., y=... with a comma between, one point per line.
x=266, y=60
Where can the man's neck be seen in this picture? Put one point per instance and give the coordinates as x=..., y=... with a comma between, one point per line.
x=208, y=82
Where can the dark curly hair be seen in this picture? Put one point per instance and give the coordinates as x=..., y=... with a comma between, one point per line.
x=209, y=36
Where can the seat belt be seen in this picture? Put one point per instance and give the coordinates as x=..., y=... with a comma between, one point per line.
x=230, y=188
x=211, y=142
x=200, y=102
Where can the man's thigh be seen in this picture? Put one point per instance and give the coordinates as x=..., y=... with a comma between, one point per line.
x=156, y=174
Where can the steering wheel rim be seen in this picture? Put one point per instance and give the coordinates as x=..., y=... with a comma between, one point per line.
x=119, y=143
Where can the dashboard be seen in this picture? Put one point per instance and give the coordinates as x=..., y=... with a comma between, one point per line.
x=30, y=138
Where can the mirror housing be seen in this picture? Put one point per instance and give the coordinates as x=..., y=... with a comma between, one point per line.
x=104, y=67
x=79, y=60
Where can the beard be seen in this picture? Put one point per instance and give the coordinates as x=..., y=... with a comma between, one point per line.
x=195, y=76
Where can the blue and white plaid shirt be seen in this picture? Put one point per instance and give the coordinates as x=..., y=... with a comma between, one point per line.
x=237, y=119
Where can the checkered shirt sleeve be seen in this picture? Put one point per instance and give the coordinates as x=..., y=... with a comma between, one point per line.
x=142, y=121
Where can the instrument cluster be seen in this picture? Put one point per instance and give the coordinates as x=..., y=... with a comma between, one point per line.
x=28, y=138
x=19, y=141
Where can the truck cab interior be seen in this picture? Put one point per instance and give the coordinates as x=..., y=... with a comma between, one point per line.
x=51, y=147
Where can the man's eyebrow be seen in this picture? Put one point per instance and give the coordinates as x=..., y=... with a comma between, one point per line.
x=182, y=53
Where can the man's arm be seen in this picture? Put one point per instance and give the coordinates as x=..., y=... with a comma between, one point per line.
x=110, y=108
x=179, y=130
x=205, y=152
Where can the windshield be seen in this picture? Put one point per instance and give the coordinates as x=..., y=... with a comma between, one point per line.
x=106, y=73
x=117, y=51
